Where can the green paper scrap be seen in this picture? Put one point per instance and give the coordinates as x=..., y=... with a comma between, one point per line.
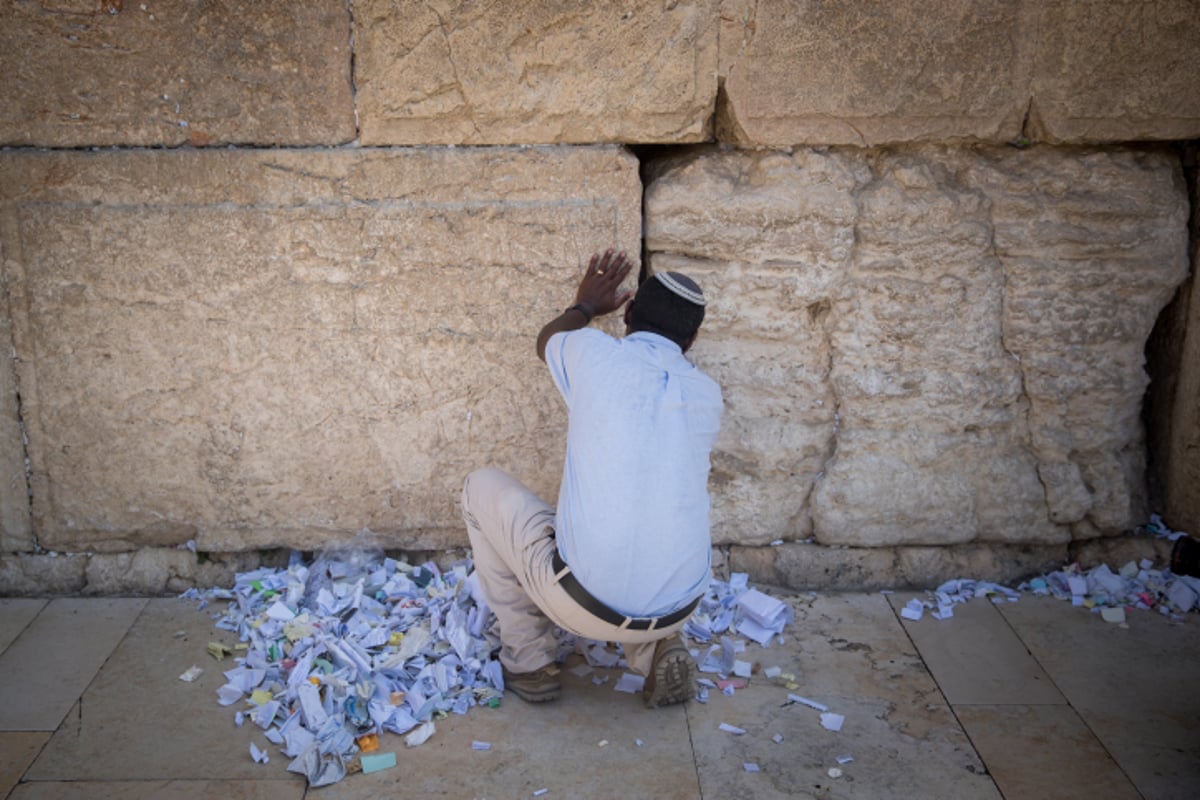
x=374, y=763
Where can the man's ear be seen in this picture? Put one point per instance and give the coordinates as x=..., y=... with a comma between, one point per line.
x=691, y=340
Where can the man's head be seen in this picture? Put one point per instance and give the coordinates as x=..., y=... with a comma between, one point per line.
x=669, y=304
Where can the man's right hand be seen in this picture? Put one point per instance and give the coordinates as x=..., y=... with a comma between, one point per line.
x=598, y=289
x=598, y=294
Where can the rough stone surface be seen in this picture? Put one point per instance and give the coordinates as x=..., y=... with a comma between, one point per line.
x=1175, y=413
x=812, y=567
x=925, y=345
x=1117, y=551
x=16, y=532
x=807, y=567
x=867, y=73
x=1113, y=70
x=159, y=571
x=101, y=72
x=43, y=575
x=282, y=348
x=567, y=72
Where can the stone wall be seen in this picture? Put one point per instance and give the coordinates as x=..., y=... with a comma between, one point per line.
x=272, y=272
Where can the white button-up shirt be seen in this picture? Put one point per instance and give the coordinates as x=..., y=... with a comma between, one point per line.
x=632, y=517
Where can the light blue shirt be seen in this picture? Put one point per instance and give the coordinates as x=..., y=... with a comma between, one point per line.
x=632, y=518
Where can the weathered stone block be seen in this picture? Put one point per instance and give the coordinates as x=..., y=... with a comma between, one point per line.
x=808, y=567
x=925, y=346
x=1113, y=70
x=30, y=575
x=105, y=72
x=767, y=236
x=1092, y=251
x=280, y=348
x=930, y=567
x=452, y=72
x=16, y=533
x=867, y=73
x=161, y=571
x=1118, y=551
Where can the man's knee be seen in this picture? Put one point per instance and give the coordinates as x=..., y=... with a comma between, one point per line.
x=481, y=483
x=481, y=480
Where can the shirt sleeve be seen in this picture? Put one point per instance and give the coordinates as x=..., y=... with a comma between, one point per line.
x=568, y=352
x=556, y=358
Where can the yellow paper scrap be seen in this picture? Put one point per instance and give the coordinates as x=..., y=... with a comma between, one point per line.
x=260, y=697
x=218, y=650
x=396, y=638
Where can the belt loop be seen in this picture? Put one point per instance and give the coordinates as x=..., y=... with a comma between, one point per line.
x=654, y=624
x=561, y=573
x=625, y=623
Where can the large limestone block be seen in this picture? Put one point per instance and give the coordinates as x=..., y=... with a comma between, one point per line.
x=768, y=237
x=923, y=381
x=107, y=72
x=925, y=346
x=1115, y=70
x=1093, y=246
x=873, y=72
x=452, y=72
x=258, y=348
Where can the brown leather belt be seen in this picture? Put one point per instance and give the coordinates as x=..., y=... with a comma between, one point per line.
x=599, y=610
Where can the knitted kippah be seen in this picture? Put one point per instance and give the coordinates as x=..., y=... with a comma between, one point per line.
x=681, y=285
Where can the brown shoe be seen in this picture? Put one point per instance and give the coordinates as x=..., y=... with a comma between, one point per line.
x=540, y=686
x=672, y=679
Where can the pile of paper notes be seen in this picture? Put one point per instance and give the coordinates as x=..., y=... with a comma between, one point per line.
x=354, y=645
x=1133, y=586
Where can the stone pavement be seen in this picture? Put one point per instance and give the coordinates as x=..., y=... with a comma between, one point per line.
x=1032, y=699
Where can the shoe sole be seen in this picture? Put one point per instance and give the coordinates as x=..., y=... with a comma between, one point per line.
x=538, y=696
x=674, y=679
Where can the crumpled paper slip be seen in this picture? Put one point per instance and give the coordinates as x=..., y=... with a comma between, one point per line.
x=763, y=616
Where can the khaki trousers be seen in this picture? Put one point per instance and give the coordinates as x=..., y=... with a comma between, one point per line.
x=512, y=536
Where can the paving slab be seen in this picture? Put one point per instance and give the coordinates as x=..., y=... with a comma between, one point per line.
x=155, y=790
x=50, y=663
x=1036, y=751
x=976, y=658
x=849, y=653
x=1134, y=687
x=138, y=721
x=554, y=746
x=15, y=615
x=17, y=751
